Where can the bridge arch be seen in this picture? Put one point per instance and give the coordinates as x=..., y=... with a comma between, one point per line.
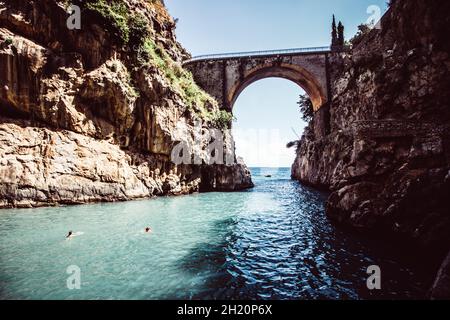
x=294, y=73
x=225, y=76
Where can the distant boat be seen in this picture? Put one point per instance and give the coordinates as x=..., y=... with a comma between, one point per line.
x=268, y=176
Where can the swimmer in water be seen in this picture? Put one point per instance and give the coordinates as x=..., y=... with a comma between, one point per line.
x=69, y=235
x=148, y=230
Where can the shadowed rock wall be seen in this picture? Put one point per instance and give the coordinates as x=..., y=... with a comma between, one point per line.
x=386, y=159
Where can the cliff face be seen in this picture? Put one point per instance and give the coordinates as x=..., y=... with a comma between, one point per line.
x=386, y=158
x=94, y=114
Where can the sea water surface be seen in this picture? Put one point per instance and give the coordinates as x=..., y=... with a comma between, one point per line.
x=272, y=242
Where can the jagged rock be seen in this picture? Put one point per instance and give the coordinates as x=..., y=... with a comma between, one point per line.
x=42, y=167
x=226, y=177
x=82, y=119
x=387, y=153
x=388, y=142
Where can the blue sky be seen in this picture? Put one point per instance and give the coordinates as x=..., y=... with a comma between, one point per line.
x=267, y=109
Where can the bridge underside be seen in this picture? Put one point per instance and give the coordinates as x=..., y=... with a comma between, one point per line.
x=226, y=78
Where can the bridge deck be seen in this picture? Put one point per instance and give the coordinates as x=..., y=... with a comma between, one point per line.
x=250, y=54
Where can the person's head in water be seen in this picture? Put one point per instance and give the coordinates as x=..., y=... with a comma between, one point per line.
x=70, y=234
x=148, y=229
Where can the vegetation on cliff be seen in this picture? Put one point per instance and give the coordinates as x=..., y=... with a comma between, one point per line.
x=363, y=30
x=135, y=32
x=110, y=100
x=117, y=13
x=198, y=101
x=306, y=108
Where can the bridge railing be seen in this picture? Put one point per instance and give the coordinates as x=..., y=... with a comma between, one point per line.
x=257, y=53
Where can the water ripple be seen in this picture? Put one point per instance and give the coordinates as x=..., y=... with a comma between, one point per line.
x=273, y=242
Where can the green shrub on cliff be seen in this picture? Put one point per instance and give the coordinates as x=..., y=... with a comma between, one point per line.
x=115, y=12
x=306, y=108
x=8, y=41
x=182, y=81
x=139, y=29
x=363, y=30
x=129, y=26
x=222, y=119
x=133, y=28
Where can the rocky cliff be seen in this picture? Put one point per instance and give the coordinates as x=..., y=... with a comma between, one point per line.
x=93, y=113
x=386, y=154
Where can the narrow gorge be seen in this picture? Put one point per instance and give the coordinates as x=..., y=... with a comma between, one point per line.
x=94, y=113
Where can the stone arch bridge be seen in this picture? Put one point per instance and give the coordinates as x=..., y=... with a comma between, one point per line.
x=225, y=76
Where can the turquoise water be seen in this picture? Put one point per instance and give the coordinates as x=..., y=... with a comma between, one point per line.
x=272, y=242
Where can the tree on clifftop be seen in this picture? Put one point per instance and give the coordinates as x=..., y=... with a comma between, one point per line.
x=334, y=37
x=306, y=108
x=363, y=30
x=341, y=38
